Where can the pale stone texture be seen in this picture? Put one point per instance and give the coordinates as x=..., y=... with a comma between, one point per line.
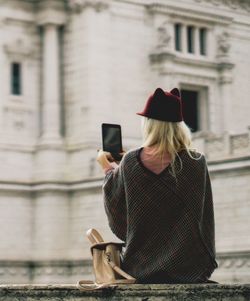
x=88, y=62
x=135, y=292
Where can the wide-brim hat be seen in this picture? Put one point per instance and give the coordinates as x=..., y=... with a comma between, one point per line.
x=164, y=106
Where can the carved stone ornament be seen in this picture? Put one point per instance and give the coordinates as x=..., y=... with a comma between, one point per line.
x=164, y=37
x=233, y=4
x=223, y=44
x=162, y=51
x=79, y=5
x=240, y=141
x=19, y=48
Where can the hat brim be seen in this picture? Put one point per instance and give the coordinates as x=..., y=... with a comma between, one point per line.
x=151, y=117
x=141, y=114
x=157, y=118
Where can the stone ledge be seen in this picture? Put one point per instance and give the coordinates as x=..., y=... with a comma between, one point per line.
x=136, y=292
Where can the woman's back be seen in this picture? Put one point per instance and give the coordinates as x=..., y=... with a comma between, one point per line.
x=164, y=222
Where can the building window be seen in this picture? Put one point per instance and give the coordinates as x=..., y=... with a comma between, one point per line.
x=190, y=109
x=195, y=43
x=203, y=37
x=190, y=39
x=177, y=30
x=16, y=79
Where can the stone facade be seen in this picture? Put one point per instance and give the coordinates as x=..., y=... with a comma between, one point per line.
x=88, y=62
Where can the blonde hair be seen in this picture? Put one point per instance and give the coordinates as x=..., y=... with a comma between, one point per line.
x=167, y=137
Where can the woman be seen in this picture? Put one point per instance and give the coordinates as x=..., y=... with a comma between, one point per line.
x=158, y=200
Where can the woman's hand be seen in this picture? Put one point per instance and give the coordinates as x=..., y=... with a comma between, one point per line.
x=106, y=160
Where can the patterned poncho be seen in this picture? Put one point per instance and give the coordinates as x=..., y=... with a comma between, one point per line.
x=167, y=223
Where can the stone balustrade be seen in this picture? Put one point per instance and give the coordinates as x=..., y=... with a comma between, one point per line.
x=224, y=146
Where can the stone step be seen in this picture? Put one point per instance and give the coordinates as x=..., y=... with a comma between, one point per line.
x=135, y=292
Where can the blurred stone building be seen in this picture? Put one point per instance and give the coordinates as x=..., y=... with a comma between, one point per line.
x=68, y=66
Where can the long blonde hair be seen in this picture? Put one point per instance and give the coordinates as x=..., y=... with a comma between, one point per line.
x=167, y=137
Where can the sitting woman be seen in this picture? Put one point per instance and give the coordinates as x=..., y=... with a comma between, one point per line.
x=159, y=201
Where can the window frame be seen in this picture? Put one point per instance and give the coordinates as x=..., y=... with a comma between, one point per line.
x=190, y=36
x=203, y=41
x=12, y=79
x=178, y=37
x=190, y=39
x=202, y=105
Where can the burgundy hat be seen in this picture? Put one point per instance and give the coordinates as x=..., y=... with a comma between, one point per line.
x=165, y=106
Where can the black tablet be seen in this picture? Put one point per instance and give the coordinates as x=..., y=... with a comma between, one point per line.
x=112, y=140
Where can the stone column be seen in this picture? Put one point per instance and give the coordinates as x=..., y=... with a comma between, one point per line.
x=184, y=38
x=50, y=211
x=50, y=17
x=50, y=154
x=51, y=86
x=209, y=43
x=3, y=92
x=196, y=41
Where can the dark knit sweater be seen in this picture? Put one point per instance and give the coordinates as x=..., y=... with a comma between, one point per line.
x=167, y=225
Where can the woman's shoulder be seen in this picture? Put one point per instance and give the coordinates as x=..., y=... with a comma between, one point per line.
x=129, y=158
x=193, y=154
x=131, y=153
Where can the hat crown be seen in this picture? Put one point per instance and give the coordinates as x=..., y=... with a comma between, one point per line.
x=165, y=106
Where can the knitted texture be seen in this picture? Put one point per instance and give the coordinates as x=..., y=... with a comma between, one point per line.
x=167, y=225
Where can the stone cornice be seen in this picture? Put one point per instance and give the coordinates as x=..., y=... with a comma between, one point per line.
x=225, y=65
x=196, y=62
x=49, y=16
x=133, y=2
x=229, y=165
x=159, y=57
x=51, y=12
x=188, y=13
x=243, y=5
x=219, y=165
x=95, y=183
x=234, y=5
x=231, y=4
x=78, y=6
